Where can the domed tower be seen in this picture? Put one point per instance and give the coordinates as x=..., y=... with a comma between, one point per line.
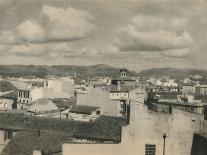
x=123, y=72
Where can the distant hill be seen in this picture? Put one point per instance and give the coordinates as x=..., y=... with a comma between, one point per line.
x=62, y=70
x=173, y=72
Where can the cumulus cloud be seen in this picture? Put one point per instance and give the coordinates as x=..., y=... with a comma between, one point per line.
x=30, y=31
x=67, y=23
x=155, y=34
x=54, y=24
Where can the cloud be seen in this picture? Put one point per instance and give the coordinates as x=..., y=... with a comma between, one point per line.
x=30, y=31
x=50, y=50
x=67, y=23
x=177, y=53
x=154, y=34
x=54, y=25
x=7, y=37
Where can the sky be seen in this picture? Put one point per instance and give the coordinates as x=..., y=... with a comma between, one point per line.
x=136, y=34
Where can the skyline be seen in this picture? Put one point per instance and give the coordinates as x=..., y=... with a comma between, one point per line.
x=134, y=34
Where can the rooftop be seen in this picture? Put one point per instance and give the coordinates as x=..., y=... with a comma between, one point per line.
x=82, y=109
x=64, y=103
x=124, y=79
x=25, y=142
x=104, y=128
x=11, y=95
x=6, y=86
x=114, y=88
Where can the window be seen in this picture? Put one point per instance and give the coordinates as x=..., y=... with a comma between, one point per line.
x=150, y=149
x=98, y=112
x=10, y=134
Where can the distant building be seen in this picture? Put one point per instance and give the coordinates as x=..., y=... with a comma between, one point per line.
x=189, y=89
x=98, y=96
x=200, y=90
x=42, y=106
x=28, y=95
x=123, y=79
x=6, y=104
x=61, y=88
x=170, y=82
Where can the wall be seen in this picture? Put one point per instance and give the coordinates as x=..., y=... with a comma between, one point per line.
x=36, y=93
x=147, y=127
x=99, y=97
x=50, y=93
x=2, y=137
x=119, y=95
x=37, y=152
x=129, y=83
x=6, y=103
x=201, y=90
x=63, y=88
x=188, y=90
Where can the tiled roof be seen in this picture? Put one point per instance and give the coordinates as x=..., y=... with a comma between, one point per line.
x=12, y=95
x=63, y=103
x=105, y=128
x=82, y=109
x=114, y=88
x=25, y=142
x=6, y=86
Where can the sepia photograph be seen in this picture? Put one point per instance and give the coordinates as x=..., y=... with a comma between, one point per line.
x=103, y=77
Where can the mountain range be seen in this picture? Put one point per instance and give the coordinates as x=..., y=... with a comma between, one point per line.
x=172, y=72
x=61, y=70
x=91, y=71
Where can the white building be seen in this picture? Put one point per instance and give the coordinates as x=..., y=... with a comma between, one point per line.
x=170, y=82
x=6, y=104
x=61, y=88
x=98, y=96
x=29, y=95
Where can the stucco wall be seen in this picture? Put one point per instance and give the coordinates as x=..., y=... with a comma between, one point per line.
x=147, y=127
x=6, y=103
x=99, y=97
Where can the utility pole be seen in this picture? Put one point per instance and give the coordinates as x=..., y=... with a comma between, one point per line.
x=164, y=137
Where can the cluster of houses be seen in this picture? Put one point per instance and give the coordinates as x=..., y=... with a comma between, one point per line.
x=153, y=110
x=190, y=93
